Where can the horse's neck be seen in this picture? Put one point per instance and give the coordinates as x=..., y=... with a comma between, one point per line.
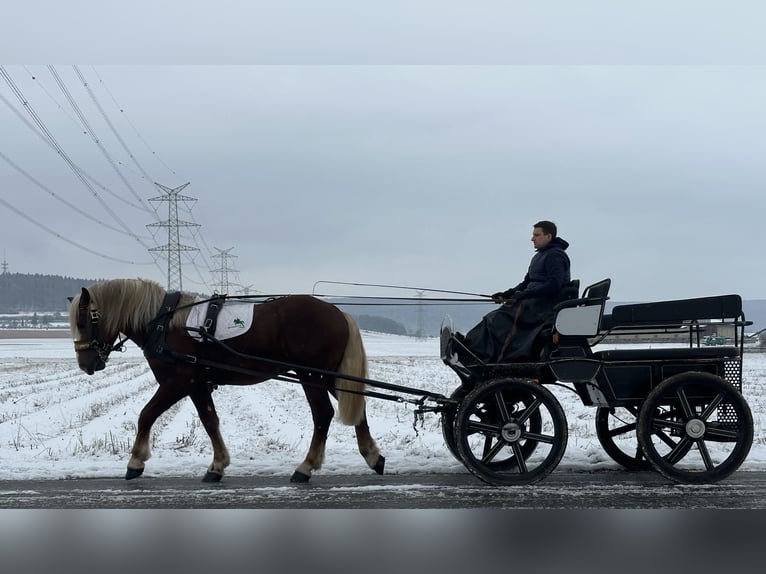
x=134, y=326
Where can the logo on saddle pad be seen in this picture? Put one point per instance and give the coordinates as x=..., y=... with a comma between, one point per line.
x=234, y=318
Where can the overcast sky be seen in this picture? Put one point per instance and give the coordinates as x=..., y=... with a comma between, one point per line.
x=411, y=145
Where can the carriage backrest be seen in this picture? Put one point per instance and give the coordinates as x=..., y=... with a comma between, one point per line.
x=582, y=317
x=663, y=313
x=598, y=290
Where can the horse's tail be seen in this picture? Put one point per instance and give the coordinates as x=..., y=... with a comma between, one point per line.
x=354, y=363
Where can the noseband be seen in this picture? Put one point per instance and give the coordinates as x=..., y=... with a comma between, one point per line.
x=102, y=349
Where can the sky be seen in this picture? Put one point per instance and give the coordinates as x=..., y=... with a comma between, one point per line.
x=411, y=145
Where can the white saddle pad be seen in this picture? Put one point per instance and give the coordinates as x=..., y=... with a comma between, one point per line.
x=234, y=318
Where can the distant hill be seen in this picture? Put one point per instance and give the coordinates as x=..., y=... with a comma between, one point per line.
x=23, y=293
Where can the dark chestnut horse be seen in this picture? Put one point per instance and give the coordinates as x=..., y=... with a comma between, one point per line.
x=294, y=334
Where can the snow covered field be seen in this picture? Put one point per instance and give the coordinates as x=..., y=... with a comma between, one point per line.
x=57, y=422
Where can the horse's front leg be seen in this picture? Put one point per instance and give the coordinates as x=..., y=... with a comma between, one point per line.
x=202, y=397
x=322, y=413
x=165, y=397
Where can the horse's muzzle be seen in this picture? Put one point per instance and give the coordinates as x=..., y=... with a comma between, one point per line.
x=97, y=365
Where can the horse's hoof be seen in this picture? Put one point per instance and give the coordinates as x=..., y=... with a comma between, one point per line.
x=133, y=473
x=299, y=477
x=380, y=464
x=211, y=476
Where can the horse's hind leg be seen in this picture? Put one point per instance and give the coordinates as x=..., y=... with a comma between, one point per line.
x=322, y=413
x=368, y=447
x=165, y=397
x=202, y=397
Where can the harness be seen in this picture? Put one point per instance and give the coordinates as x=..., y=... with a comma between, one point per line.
x=102, y=349
x=155, y=346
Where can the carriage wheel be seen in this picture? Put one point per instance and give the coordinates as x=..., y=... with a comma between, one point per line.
x=448, y=421
x=616, y=431
x=695, y=428
x=448, y=430
x=510, y=431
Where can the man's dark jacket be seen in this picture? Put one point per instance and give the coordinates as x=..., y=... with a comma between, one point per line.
x=548, y=272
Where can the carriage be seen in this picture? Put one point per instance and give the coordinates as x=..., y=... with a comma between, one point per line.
x=676, y=409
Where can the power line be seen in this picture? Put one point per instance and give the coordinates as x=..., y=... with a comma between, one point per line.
x=47, y=142
x=70, y=205
x=67, y=240
x=116, y=135
x=122, y=111
x=41, y=125
x=92, y=133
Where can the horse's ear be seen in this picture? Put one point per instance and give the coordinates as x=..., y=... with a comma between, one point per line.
x=70, y=299
x=84, y=297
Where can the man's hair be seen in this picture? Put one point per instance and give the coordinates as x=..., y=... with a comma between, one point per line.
x=548, y=227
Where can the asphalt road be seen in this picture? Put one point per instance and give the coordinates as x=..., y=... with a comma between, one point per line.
x=560, y=490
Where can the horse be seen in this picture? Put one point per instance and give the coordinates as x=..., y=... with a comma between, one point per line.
x=297, y=334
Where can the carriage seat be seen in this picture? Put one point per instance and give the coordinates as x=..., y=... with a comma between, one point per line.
x=582, y=317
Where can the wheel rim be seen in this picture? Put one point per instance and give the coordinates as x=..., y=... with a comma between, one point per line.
x=510, y=432
x=695, y=428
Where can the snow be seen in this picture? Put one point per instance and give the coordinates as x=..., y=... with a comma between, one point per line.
x=57, y=422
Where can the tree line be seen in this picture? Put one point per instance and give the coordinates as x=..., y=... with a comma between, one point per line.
x=24, y=293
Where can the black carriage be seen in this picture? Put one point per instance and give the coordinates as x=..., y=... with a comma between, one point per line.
x=678, y=409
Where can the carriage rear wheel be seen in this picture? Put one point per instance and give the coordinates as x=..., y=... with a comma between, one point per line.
x=695, y=428
x=510, y=432
x=616, y=431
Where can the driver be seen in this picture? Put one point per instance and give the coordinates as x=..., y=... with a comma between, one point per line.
x=506, y=334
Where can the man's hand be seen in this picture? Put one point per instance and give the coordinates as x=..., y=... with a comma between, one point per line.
x=502, y=297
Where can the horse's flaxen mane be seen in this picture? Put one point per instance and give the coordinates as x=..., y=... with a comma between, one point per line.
x=128, y=305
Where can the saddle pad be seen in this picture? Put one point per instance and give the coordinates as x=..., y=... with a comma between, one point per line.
x=234, y=318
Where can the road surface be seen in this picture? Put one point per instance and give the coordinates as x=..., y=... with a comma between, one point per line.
x=560, y=490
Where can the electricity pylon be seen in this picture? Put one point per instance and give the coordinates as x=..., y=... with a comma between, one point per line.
x=173, y=247
x=223, y=255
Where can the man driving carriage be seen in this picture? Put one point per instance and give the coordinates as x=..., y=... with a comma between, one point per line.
x=507, y=334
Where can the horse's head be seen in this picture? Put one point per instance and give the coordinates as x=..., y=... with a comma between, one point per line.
x=91, y=344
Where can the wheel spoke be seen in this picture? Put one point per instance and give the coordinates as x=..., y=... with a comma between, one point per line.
x=626, y=428
x=687, y=408
x=711, y=407
x=705, y=454
x=679, y=451
x=548, y=439
x=490, y=452
x=712, y=431
x=662, y=435
x=530, y=410
x=521, y=462
x=501, y=407
x=481, y=427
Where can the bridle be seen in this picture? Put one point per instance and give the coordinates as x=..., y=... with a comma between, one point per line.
x=102, y=349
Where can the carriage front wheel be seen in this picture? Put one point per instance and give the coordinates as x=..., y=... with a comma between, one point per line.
x=510, y=432
x=695, y=427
